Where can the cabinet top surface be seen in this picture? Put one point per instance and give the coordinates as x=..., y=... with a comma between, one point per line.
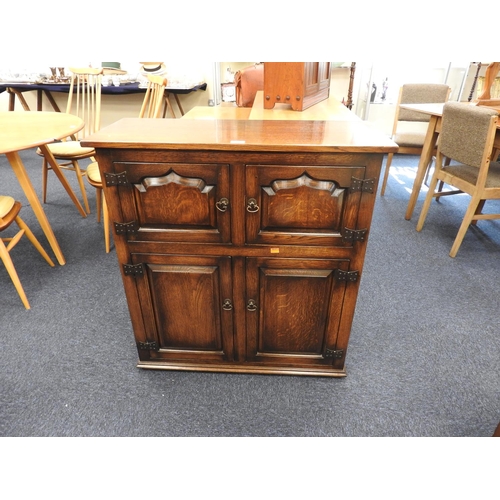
x=242, y=135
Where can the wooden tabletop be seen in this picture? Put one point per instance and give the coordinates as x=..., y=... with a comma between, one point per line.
x=431, y=108
x=23, y=129
x=217, y=113
x=243, y=135
x=328, y=109
x=436, y=108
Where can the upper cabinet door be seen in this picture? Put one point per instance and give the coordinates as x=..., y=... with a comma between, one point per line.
x=302, y=205
x=174, y=202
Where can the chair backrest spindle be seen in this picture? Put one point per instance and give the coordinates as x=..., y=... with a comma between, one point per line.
x=154, y=97
x=85, y=90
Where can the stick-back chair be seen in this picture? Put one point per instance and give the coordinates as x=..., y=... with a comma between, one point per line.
x=9, y=213
x=84, y=100
x=151, y=108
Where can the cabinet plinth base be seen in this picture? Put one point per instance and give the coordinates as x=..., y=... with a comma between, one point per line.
x=242, y=368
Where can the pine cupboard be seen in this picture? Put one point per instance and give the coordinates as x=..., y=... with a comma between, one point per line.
x=241, y=243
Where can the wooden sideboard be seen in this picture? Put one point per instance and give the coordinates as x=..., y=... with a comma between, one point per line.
x=241, y=242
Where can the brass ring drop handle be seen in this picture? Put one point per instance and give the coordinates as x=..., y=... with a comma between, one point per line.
x=252, y=206
x=227, y=305
x=251, y=305
x=222, y=204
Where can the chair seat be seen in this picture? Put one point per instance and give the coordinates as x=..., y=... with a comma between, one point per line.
x=470, y=174
x=6, y=204
x=69, y=149
x=409, y=139
x=410, y=134
x=93, y=174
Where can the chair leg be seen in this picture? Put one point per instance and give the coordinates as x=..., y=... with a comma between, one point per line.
x=79, y=176
x=386, y=173
x=427, y=202
x=478, y=211
x=45, y=171
x=469, y=214
x=105, y=218
x=98, y=200
x=34, y=241
x=9, y=265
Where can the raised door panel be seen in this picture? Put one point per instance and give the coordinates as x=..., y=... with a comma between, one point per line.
x=186, y=306
x=294, y=311
x=316, y=83
x=174, y=202
x=305, y=205
x=324, y=71
x=311, y=78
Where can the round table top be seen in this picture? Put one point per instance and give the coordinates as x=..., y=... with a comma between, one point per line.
x=28, y=129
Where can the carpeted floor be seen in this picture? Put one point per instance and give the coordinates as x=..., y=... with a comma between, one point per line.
x=423, y=357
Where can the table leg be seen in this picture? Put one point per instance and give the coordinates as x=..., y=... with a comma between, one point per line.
x=55, y=167
x=179, y=104
x=168, y=104
x=52, y=101
x=13, y=93
x=39, y=103
x=29, y=191
x=425, y=158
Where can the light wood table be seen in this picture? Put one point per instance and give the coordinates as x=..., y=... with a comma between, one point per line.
x=327, y=110
x=218, y=113
x=25, y=130
x=435, y=110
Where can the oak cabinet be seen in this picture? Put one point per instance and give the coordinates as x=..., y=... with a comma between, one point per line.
x=300, y=84
x=240, y=255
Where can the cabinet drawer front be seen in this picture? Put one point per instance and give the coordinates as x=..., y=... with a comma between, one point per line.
x=296, y=309
x=175, y=201
x=305, y=205
x=183, y=301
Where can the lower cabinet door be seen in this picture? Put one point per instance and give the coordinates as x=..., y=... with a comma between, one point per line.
x=294, y=312
x=186, y=308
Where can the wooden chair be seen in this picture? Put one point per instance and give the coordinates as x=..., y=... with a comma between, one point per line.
x=155, y=94
x=467, y=135
x=410, y=127
x=151, y=108
x=94, y=178
x=9, y=213
x=84, y=100
x=497, y=431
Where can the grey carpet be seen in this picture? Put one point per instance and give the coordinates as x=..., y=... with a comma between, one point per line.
x=423, y=358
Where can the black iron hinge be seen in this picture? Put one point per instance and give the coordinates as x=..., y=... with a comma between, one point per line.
x=364, y=185
x=334, y=353
x=126, y=227
x=346, y=275
x=353, y=234
x=115, y=179
x=133, y=269
x=148, y=346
